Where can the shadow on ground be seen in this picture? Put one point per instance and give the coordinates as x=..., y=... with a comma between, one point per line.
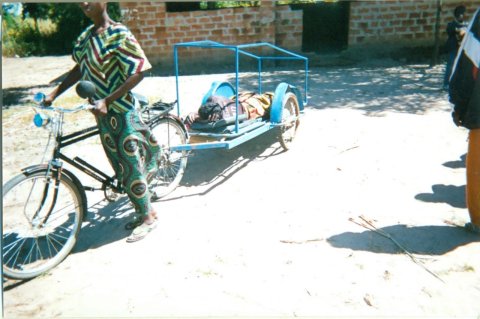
x=448, y=194
x=22, y=95
x=458, y=163
x=201, y=172
x=105, y=221
x=372, y=89
x=105, y=224
x=423, y=240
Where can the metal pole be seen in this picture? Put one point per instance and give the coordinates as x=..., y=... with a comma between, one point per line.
x=175, y=62
x=436, y=45
x=236, y=88
x=260, y=75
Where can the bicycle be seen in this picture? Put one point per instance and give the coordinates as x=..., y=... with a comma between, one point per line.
x=44, y=206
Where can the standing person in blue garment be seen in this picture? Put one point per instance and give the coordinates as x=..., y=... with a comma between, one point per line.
x=108, y=55
x=465, y=96
x=455, y=31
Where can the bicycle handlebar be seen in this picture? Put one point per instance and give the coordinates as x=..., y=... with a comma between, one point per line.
x=65, y=110
x=39, y=98
x=41, y=120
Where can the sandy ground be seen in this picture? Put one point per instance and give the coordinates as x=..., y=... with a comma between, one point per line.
x=255, y=231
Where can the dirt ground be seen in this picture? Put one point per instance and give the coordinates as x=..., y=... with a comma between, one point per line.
x=255, y=231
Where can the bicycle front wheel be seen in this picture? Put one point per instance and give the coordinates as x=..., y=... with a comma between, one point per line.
x=41, y=222
x=168, y=133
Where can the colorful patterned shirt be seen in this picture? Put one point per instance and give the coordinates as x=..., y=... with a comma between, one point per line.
x=108, y=59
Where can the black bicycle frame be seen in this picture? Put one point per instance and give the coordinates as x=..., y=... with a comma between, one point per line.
x=66, y=140
x=55, y=166
x=106, y=181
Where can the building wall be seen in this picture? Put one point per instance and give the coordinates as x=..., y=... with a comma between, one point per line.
x=406, y=22
x=380, y=23
x=158, y=30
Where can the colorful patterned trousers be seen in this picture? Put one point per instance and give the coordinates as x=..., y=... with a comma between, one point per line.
x=133, y=152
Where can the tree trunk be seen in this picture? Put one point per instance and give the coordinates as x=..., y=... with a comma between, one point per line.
x=35, y=20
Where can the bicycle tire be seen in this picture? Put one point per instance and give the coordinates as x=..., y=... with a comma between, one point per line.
x=290, y=120
x=30, y=247
x=168, y=132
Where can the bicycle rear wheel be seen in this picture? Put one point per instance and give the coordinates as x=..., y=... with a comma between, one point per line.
x=40, y=228
x=168, y=133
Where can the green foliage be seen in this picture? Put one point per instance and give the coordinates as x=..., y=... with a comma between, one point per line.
x=22, y=37
x=284, y=2
x=70, y=22
x=227, y=4
x=208, y=5
x=25, y=37
x=8, y=21
x=37, y=10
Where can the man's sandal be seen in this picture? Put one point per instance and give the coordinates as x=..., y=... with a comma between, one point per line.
x=141, y=231
x=472, y=228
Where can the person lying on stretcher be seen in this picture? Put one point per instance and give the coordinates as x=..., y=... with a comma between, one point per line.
x=218, y=107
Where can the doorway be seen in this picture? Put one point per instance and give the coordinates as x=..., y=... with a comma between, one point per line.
x=325, y=26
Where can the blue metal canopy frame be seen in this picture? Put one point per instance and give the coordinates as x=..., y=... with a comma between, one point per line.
x=244, y=134
x=240, y=50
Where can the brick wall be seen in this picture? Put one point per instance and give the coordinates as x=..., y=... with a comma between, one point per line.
x=405, y=22
x=381, y=23
x=157, y=30
x=288, y=28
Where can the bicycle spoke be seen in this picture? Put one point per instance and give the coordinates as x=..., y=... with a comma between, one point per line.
x=31, y=249
x=172, y=170
x=13, y=246
x=165, y=178
x=55, y=243
x=48, y=242
x=54, y=235
x=39, y=251
x=28, y=258
x=12, y=243
x=17, y=253
x=52, y=244
x=60, y=209
x=50, y=221
x=162, y=175
x=58, y=242
x=169, y=172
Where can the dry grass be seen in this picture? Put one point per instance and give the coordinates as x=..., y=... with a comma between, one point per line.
x=25, y=144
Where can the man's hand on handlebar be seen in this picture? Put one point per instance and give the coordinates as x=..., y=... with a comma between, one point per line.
x=48, y=100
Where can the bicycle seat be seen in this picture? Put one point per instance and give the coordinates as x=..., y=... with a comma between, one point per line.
x=142, y=100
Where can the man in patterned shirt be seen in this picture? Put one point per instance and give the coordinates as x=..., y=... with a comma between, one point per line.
x=108, y=55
